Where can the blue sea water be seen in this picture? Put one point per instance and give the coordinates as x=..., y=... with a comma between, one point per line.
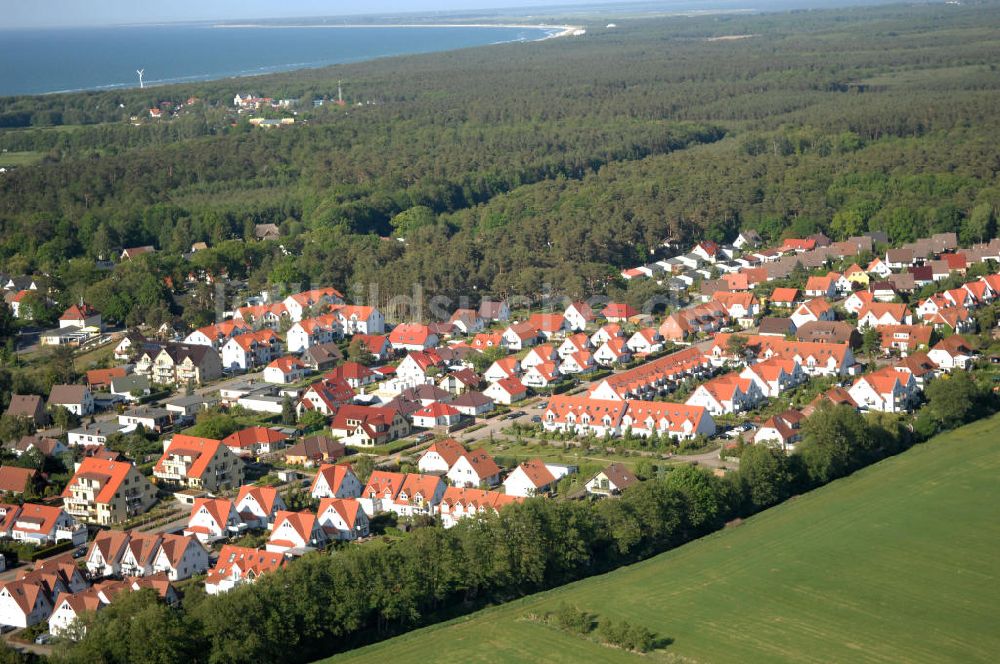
x=42, y=61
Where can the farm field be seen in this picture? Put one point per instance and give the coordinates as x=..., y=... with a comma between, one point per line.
x=896, y=563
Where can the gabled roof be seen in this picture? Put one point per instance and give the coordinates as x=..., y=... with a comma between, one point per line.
x=347, y=508
x=785, y=295
x=620, y=475
x=252, y=436
x=333, y=474
x=201, y=450
x=537, y=474
x=450, y=450
x=217, y=508
x=110, y=474
x=265, y=496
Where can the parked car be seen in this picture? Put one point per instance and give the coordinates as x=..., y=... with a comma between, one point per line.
x=536, y=419
x=43, y=639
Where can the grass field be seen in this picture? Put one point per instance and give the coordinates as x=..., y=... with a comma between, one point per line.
x=897, y=563
x=15, y=159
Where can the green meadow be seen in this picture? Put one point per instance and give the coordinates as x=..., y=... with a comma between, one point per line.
x=897, y=563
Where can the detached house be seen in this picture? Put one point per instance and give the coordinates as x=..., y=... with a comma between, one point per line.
x=726, y=394
x=342, y=519
x=366, y=426
x=412, y=337
x=814, y=310
x=405, y=494
x=886, y=390
x=462, y=503
x=534, y=478
x=258, y=505
x=611, y=481
x=212, y=519
x=506, y=391
x=335, y=481
x=578, y=316
x=880, y=314
x=294, y=532
x=77, y=399
x=952, y=352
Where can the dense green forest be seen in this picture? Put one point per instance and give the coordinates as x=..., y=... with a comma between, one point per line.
x=515, y=165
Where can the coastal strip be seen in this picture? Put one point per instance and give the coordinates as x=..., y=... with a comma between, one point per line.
x=563, y=30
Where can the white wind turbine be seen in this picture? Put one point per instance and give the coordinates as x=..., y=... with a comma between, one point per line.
x=139, y=72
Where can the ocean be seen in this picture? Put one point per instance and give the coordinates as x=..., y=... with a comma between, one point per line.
x=63, y=60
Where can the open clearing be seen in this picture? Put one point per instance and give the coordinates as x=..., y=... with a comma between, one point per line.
x=896, y=563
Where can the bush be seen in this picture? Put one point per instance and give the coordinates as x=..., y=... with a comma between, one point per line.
x=627, y=636
x=571, y=619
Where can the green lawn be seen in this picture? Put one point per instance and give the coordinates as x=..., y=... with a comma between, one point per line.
x=895, y=564
x=15, y=159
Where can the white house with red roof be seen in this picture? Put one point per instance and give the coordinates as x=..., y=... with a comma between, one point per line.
x=816, y=309
x=505, y=367
x=612, y=352
x=437, y=414
x=311, y=301
x=886, y=390
x=342, y=519
x=857, y=301
x=253, y=349
x=413, y=337
x=506, y=391
x=198, y=463
x=335, y=481
x=879, y=314
x=405, y=494
x=305, y=334
x=618, y=312
x=821, y=286
x=24, y=603
x=254, y=441
x=441, y=456
x=580, y=362
x=777, y=431
x=285, y=370
x=605, y=334
x=41, y=524
x=80, y=315
x=707, y=250
x=258, y=505
x=325, y=397
x=541, y=375
x=952, y=352
x=539, y=355
x=466, y=321
x=645, y=341
x=784, y=297
x=726, y=394
x=573, y=344
x=295, y=532
x=534, y=478
x=578, y=316
x=238, y=565
x=775, y=375
x=459, y=503
x=414, y=367
x=359, y=319
x=520, y=336
x=212, y=519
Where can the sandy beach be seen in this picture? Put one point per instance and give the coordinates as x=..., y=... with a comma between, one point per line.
x=563, y=30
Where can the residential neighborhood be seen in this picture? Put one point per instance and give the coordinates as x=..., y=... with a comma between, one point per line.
x=305, y=424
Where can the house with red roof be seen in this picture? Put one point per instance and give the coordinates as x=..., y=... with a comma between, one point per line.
x=519, y=336
x=535, y=478
x=258, y=505
x=506, y=391
x=309, y=332
x=905, y=339
x=780, y=432
x=416, y=364
x=548, y=325
x=817, y=309
x=354, y=374
x=285, y=370
x=572, y=344
x=824, y=286
x=578, y=316
x=618, y=312
x=607, y=332
x=881, y=314
x=466, y=322
x=106, y=492
x=358, y=319
x=505, y=367
x=728, y=393
x=255, y=441
x=886, y=390
x=541, y=375
x=952, y=352
x=376, y=344
x=645, y=341
x=459, y=503
x=615, y=351
x=212, y=519
x=335, y=481
x=41, y=524
x=412, y=337
x=325, y=397
x=406, y=494
x=775, y=375
x=342, y=519
x=313, y=301
x=437, y=414
x=441, y=456
x=198, y=463
x=24, y=603
x=295, y=532
x=100, y=379
x=81, y=316
x=365, y=426
x=244, y=352
x=858, y=300
x=740, y=305
x=238, y=565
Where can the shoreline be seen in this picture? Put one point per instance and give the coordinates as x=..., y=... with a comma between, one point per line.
x=563, y=30
x=551, y=32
